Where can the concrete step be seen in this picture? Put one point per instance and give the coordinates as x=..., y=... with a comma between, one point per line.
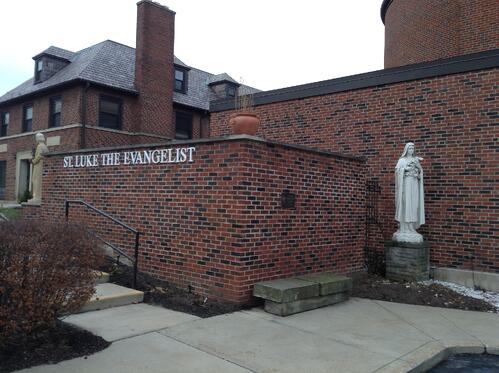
x=111, y=295
x=288, y=296
x=286, y=290
x=329, y=283
x=101, y=277
x=290, y=308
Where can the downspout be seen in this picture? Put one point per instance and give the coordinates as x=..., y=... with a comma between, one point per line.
x=83, y=115
x=207, y=119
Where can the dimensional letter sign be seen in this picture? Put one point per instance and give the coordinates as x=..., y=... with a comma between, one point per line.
x=158, y=156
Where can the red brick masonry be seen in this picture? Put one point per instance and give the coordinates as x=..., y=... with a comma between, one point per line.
x=427, y=30
x=216, y=223
x=453, y=121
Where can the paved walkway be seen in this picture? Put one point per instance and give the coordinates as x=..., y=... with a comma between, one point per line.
x=356, y=336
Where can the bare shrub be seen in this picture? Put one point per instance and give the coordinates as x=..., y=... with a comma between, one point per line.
x=45, y=271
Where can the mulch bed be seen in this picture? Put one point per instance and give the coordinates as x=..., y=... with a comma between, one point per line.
x=375, y=287
x=169, y=296
x=61, y=343
x=364, y=286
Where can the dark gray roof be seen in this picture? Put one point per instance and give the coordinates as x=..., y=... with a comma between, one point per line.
x=176, y=61
x=221, y=78
x=113, y=65
x=199, y=93
x=57, y=52
x=107, y=63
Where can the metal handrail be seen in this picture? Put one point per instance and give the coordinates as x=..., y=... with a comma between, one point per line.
x=121, y=252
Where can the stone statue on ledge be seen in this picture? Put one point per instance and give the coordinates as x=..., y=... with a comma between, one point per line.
x=409, y=196
x=37, y=161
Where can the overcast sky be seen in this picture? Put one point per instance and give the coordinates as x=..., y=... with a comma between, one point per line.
x=268, y=43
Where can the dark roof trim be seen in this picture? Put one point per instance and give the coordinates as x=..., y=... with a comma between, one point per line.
x=210, y=140
x=224, y=81
x=51, y=56
x=188, y=107
x=425, y=70
x=384, y=8
x=56, y=87
x=181, y=67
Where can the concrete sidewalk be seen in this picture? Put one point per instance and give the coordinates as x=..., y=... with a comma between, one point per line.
x=359, y=335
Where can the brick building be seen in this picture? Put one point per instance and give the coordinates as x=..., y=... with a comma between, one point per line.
x=218, y=224
x=439, y=89
x=215, y=222
x=106, y=95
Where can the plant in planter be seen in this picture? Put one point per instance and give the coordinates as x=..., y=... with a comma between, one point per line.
x=244, y=121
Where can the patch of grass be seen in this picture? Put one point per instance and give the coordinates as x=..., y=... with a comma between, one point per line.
x=11, y=214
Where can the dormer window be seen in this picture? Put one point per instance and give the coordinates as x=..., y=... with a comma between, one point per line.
x=50, y=62
x=180, y=80
x=38, y=69
x=223, y=86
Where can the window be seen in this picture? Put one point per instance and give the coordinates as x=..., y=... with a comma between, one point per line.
x=55, y=112
x=38, y=69
x=4, y=125
x=110, y=112
x=28, y=118
x=180, y=81
x=183, y=126
x=230, y=91
x=3, y=168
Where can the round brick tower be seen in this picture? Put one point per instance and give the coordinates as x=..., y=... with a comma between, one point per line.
x=427, y=30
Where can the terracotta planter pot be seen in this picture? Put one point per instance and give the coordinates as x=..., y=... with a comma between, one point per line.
x=244, y=124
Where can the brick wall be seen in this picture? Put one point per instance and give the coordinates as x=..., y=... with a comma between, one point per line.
x=154, y=67
x=31, y=212
x=70, y=110
x=427, y=30
x=51, y=66
x=200, y=121
x=452, y=120
x=71, y=113
x=217, y=223
x=129, y=114
x=69, y=139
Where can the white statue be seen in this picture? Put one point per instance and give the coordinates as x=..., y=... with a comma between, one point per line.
x=409, y=196
x=37, y=161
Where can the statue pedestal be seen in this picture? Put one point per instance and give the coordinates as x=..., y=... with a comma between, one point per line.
x=407, y=261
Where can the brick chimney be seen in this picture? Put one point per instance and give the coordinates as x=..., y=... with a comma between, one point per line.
x=154, y=67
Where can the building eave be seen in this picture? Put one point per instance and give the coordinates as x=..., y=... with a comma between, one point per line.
x=424, y=70
x=66, y=84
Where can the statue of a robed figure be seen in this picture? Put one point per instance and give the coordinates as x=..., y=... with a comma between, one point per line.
x=37, y=161
x=409, y=196
x=407, y=255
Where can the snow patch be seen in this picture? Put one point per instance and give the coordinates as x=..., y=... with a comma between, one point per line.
x=487, y=296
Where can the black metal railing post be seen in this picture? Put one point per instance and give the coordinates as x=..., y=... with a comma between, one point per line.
x=136, y=261
x=67, y=210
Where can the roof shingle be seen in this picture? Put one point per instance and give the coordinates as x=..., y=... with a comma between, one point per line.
x=112, y=65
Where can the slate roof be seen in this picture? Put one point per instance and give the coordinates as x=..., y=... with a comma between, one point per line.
x=57, y=52
x=112, y=65
x=221, y=78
